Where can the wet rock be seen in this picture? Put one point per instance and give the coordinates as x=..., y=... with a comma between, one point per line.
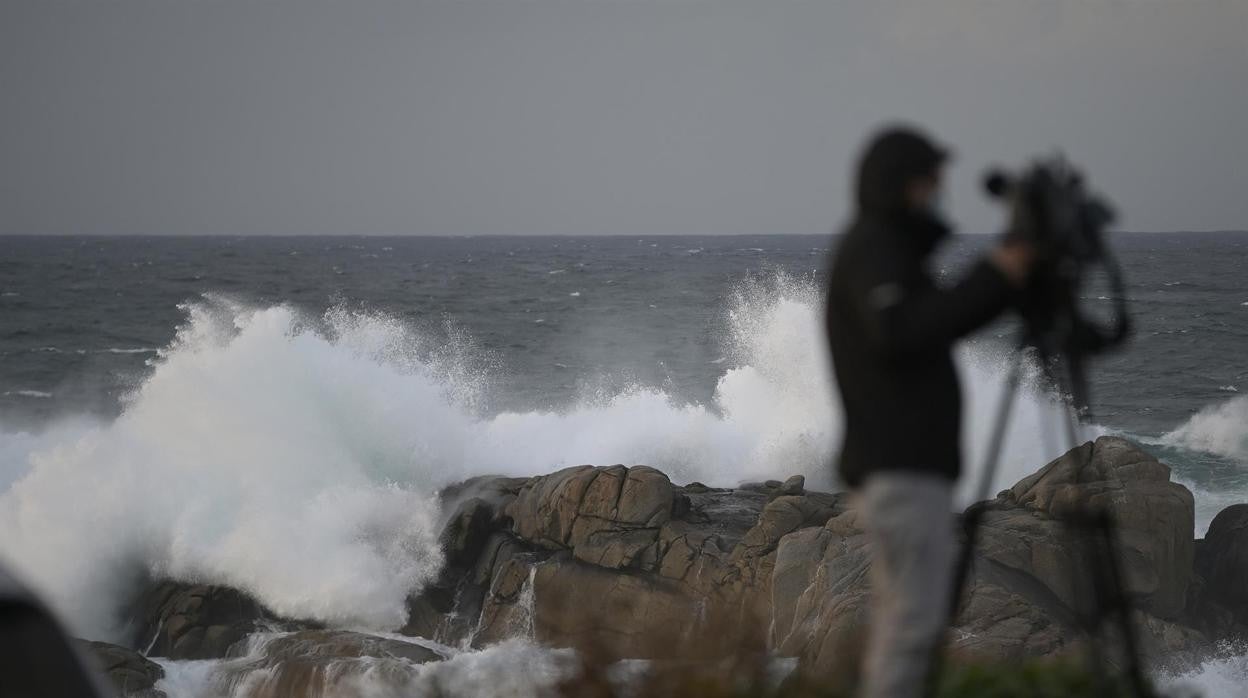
x=1223, y=567
x=562, y=601
x=647, y=581
x=619, y=563
x=194, y=621
x=131, y=674
x=323, y=663
x=472, y=537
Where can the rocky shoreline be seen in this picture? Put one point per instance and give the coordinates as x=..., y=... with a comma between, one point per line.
x=618, y=562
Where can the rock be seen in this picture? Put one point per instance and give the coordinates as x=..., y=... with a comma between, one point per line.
x=1154, y=519
x=562, y=601
x=1026, y=581
x=466, y=533
x=447, y=609
x=324, y=663
x=678, y=564
x=130, y=673
x=795, y=485
x=477, y=509
x=1173, y=646
x=609, y=517
x=185, y=621
x=1223, y=565
x=782, y=516
x=1028, y=555
x=821, y=609
x=820, y=593
x=619, y=563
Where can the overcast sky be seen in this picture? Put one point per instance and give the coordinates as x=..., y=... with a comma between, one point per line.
x=597, y=116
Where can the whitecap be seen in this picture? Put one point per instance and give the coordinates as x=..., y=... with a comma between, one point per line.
x=28, y=393
x=1220, y=429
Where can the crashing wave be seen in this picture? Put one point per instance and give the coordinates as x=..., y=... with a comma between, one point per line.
x=298, y=457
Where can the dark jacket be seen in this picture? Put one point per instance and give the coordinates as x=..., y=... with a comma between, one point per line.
x=891, y=330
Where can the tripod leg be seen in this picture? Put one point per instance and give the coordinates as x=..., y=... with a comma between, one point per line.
x=1065, y=385
x=1109, y=601
x=972, y=519
x=991, y=461
x=997, y=439
x=1118, y=601
x=1089, y=602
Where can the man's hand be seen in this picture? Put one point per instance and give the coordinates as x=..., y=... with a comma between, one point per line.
x=1014, y=259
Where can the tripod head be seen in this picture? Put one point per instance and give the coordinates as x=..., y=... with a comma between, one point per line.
x=1051, y=209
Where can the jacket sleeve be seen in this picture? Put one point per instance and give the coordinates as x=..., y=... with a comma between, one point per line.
x=901, y=319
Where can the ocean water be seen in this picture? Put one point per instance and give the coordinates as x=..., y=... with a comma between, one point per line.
x=276, y=414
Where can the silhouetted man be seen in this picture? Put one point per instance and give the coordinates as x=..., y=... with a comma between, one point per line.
x=892, y=329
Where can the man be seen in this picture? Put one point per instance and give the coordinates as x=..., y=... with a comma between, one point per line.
x=891, y=329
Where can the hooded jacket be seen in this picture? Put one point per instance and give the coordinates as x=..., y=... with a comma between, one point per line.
x=891, y=328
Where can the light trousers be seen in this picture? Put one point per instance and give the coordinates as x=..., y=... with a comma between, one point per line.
x=908, y=522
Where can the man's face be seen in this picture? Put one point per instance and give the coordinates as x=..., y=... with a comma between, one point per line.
x=923, y=193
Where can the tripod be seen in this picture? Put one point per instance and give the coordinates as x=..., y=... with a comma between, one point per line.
x=1109, y=603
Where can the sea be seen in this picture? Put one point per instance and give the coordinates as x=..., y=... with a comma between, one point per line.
x=278, y=413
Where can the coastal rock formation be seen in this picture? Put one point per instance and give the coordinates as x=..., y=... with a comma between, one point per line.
x=1225, y=561
x=793, y=565
x=620, y=562
x=182, y=621
x=1154, y=519
x=625, y=564
x=131, y=674
x=609, y=517
x=1030, y=576
x=1220, y=596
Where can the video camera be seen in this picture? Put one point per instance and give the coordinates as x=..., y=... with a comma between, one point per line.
x=1053, y=210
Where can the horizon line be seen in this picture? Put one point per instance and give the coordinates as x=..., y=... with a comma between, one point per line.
x=1216, y=231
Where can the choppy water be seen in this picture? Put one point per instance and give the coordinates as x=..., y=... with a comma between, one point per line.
x=240, y=409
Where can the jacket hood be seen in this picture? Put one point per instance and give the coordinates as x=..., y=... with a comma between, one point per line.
x=893, y=159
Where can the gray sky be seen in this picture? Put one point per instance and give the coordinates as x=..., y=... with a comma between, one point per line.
x=597, y=116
